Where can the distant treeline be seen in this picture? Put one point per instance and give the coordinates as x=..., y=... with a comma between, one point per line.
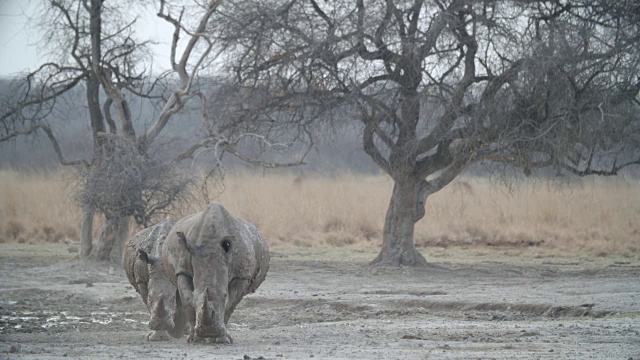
x=337, y=147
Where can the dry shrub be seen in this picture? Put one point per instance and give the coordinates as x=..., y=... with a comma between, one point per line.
x=13, y=230
x=597, y=216
x=422, y=240
x=369, y=231
x=339, y=239
x=333, y=224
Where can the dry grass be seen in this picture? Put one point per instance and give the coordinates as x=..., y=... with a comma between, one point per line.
x=36, y=207
x=595, y=216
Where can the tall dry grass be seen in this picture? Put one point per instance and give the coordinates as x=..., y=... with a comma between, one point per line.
x=598, y=216
x=37, y=207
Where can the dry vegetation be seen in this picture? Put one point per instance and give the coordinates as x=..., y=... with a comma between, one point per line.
x=596, y=216
x=37, y=207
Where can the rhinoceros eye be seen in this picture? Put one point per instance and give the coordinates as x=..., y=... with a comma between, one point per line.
x=142, y=255
x=226, y=245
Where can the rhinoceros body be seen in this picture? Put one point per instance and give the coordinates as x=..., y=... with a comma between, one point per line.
x=214, y=259
x=142, y=261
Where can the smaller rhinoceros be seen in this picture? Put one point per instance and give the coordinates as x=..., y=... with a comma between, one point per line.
x=142, y=261
x=214, y=259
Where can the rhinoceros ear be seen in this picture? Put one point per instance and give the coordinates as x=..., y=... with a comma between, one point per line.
x=143, y=256
x=182, y=240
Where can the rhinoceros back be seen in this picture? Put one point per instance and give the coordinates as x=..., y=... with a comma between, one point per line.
x=149, y=240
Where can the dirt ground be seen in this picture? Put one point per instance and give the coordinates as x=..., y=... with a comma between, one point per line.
x=326, y=304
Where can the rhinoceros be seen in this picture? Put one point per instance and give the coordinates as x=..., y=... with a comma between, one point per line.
x=142, y=261
x=214, y=259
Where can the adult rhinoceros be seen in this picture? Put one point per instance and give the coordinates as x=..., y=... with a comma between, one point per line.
x=214, y=259
x=142, y=261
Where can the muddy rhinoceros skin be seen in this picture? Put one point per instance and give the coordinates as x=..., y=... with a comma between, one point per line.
x=214, y=259
x=142, y=261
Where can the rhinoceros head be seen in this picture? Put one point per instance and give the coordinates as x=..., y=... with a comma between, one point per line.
x=203, y=260
x=161, y=297
x=210, y=262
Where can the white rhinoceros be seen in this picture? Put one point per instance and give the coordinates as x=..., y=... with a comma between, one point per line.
x=214, y=259
x=142, y=261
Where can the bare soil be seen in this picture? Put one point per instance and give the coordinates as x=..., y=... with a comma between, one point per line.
x=326, y=304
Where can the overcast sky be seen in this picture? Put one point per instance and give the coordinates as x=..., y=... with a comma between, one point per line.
x=18, y=50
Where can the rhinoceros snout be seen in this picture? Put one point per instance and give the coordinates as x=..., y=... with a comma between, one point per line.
x=210, y=331
x=209, y=322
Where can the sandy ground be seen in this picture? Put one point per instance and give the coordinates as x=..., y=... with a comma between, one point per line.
x=326, y=304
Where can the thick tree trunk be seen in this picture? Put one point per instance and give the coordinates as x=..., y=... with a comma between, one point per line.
x=112, y=238
x=86, y=243
x=397, y=239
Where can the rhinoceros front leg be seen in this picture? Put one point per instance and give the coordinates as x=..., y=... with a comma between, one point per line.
x=153, y=335
x=236, y=291
x=180, y=321
x=185, y=290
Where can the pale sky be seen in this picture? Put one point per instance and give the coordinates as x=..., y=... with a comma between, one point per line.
x=19, y=53
x=17, y=49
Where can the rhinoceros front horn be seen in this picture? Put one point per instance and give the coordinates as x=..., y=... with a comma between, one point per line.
x=204, y=309
x=159, y=311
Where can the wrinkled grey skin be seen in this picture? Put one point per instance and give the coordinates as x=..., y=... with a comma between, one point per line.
x=214, y=259
x=142, y=261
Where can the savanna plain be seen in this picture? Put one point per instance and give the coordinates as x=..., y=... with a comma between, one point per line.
x=532, y=269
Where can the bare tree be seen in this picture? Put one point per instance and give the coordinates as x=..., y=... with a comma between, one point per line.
x=125, y=179
x=439, y=85
x=79, y=45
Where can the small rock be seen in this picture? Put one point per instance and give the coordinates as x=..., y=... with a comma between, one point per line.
x=14, y=349
x=246, y=357
x=311, y=355
x=551, y=350
x=276, y=343
x=65, y=355
x=89, y=284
